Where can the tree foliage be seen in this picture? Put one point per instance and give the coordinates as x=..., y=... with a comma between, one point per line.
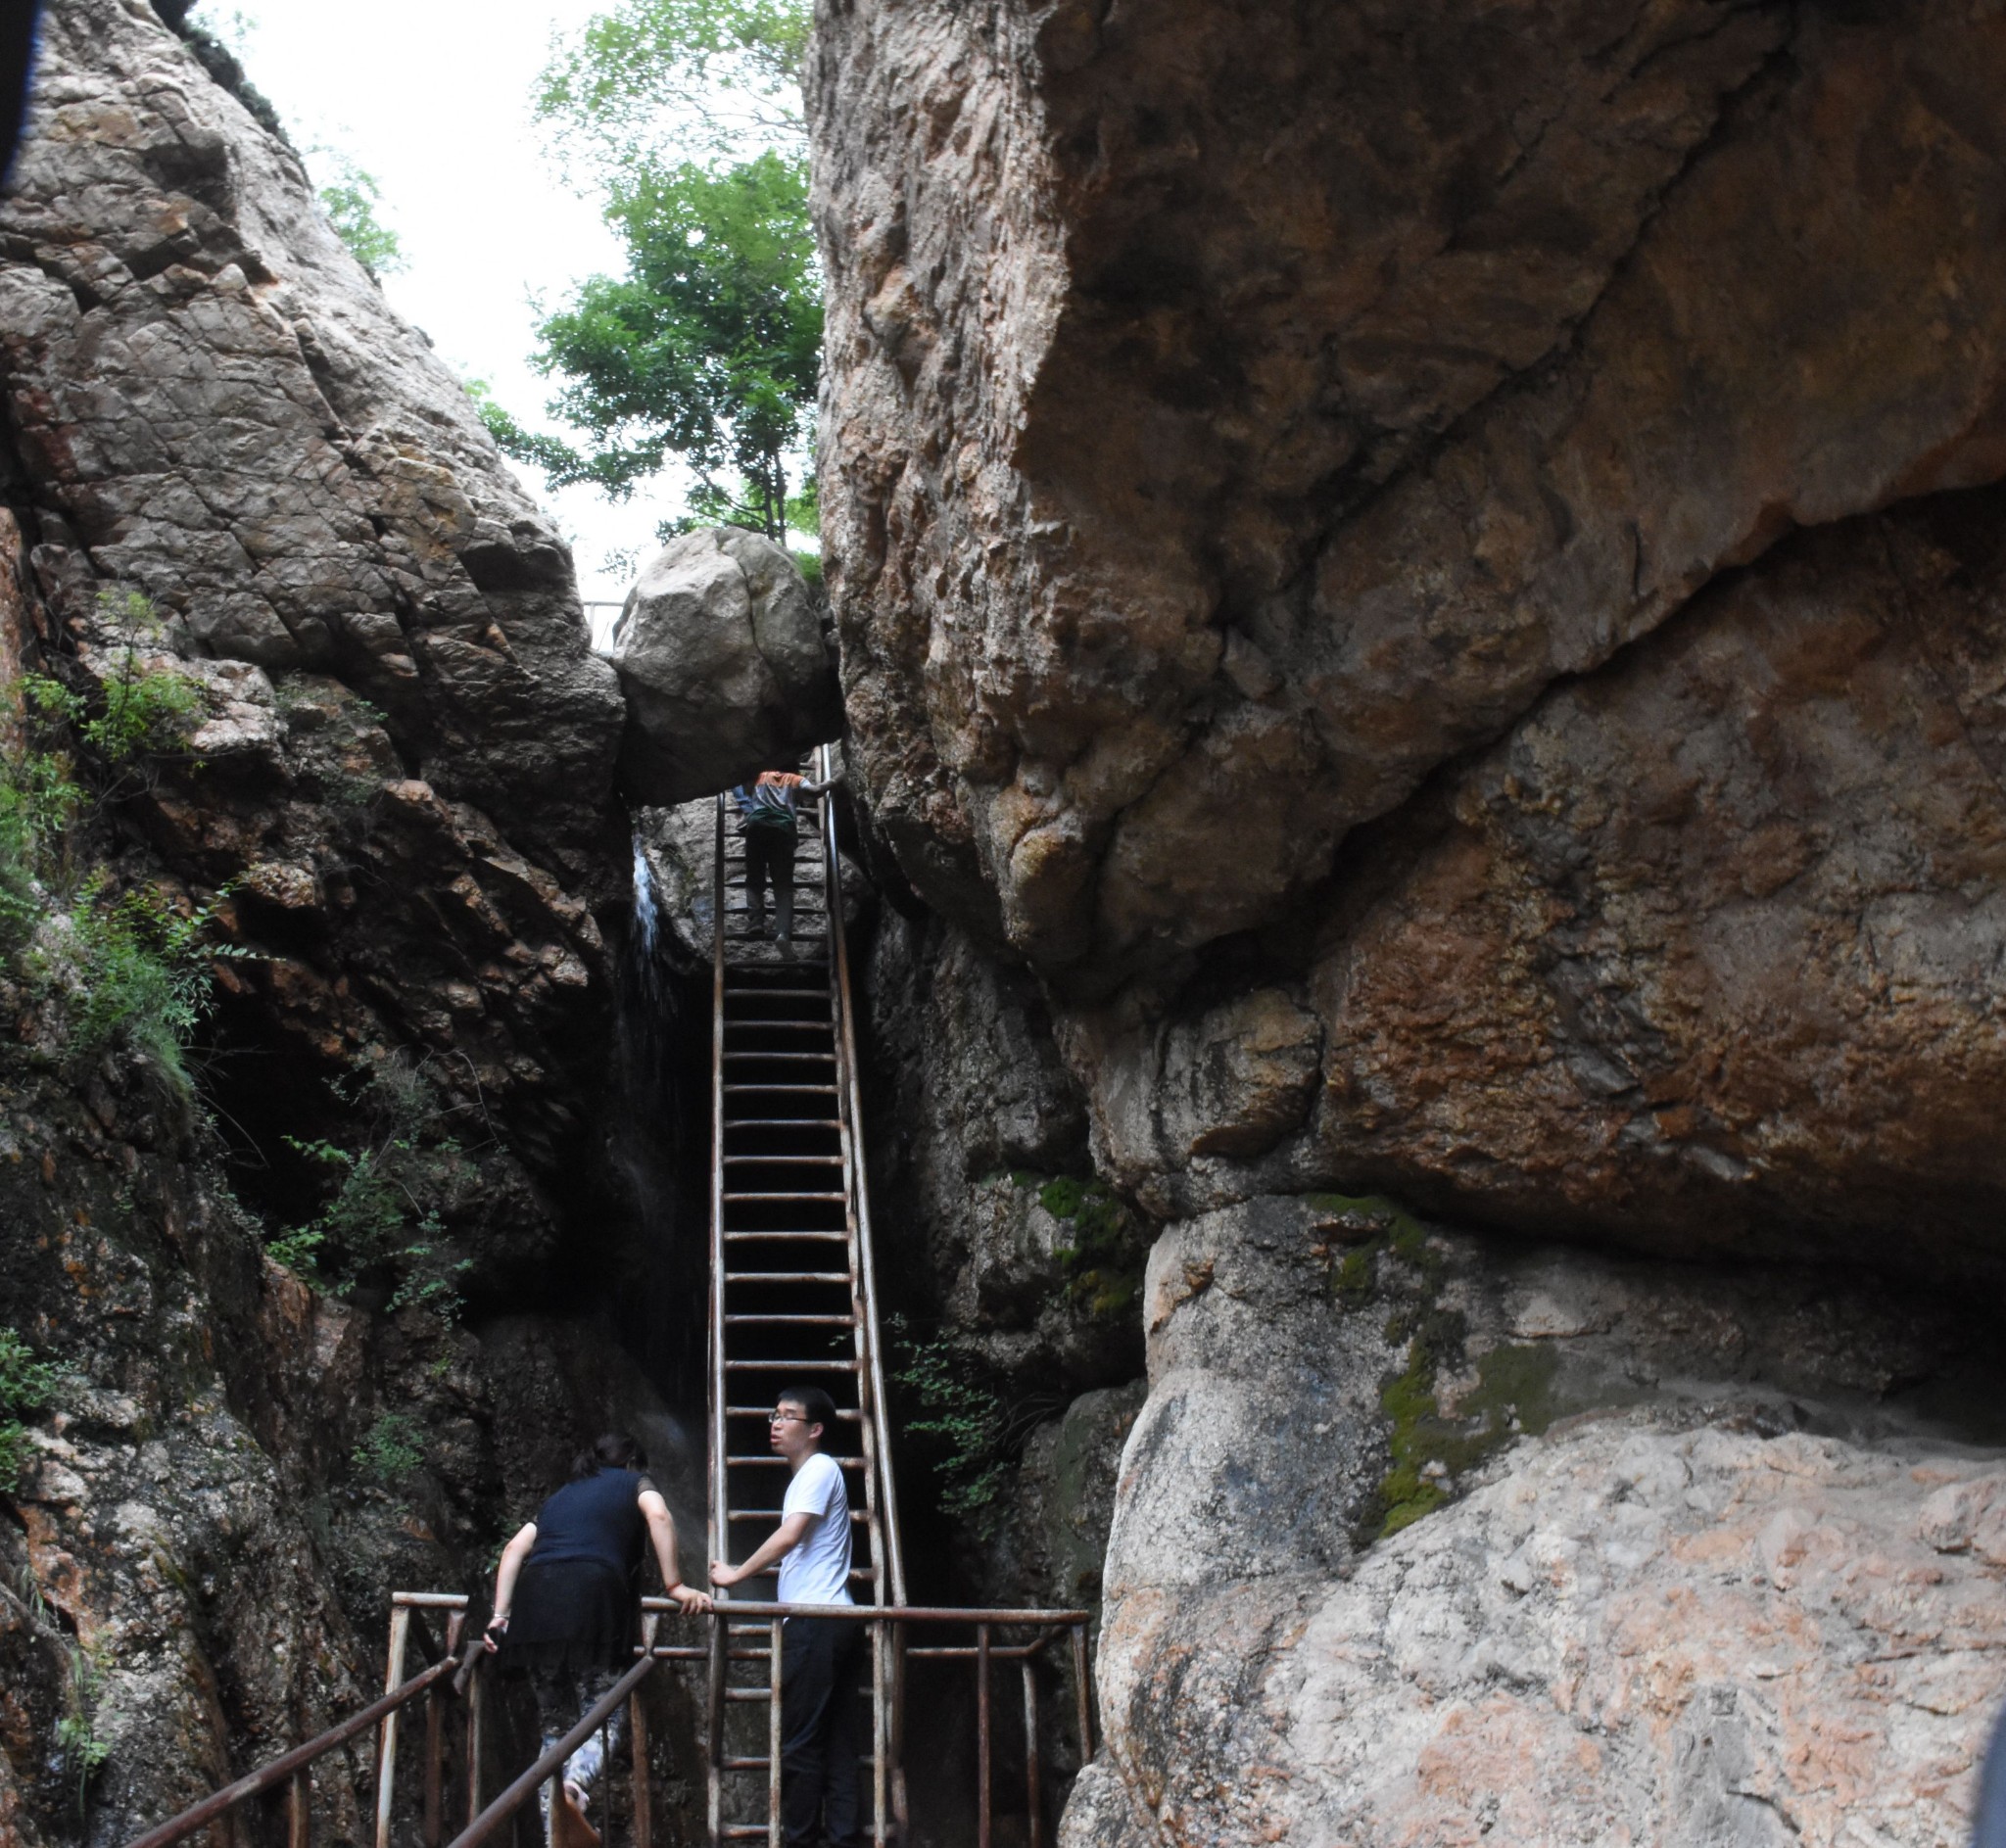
x=350, y=200
x=685, y=113
x=660, y=82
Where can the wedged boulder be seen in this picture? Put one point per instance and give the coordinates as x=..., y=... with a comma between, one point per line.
x=725, y=666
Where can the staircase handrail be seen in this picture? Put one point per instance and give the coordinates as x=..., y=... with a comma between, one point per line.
x=268, y=1777
x=895, y=1553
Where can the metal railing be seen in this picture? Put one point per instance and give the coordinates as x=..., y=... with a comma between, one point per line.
x=293, y=1769
x=891, y=1644
x=892, y=1648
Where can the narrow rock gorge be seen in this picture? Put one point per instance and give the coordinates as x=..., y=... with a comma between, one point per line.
x=1415, y=613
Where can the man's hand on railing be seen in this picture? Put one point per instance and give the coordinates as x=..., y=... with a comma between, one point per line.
x=690, y=1601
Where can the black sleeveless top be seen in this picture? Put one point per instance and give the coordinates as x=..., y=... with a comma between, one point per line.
x=577, y=1600
x=599, y=1519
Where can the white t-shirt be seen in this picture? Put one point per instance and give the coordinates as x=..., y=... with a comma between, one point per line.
x=817, y=1570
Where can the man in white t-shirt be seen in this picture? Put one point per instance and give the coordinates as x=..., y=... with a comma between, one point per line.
x=820, y=1656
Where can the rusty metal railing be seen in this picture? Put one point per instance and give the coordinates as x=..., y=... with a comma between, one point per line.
x=293, y=1767
x=890, y=1624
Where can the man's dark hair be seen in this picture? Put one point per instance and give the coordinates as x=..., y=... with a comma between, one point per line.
x=615, y=1449
x=815, y=1403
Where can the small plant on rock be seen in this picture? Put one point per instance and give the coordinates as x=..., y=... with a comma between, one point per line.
x=83, y=1751
x=26, y=1385
x=1102, y=1263
x=144, y=968
x=390, y=1450
x=383, y=1216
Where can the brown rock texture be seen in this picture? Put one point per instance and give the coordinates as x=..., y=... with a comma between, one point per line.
x=393, y=784
x=214, y=405
x=1235, y=411
x=1434, y=573
x=1702, y=954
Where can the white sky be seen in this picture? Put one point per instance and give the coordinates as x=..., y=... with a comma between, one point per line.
x=432, y=97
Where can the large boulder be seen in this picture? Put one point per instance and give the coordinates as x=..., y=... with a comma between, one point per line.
x=722, y=656
x=1232, y=414
x=1429, y=1538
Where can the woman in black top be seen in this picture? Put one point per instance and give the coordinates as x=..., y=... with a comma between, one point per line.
x=567, y=1592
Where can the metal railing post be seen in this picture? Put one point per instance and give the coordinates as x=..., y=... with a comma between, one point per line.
x=300, y=1810
x=773, y=1667
x=1083, y=1692
x=1032, y=1786
x=982, y=1735
x=637, y=1727
x=386, y=1737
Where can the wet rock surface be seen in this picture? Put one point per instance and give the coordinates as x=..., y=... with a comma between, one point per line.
x=722, y=658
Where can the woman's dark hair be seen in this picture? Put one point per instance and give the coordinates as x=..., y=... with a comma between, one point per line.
x=614, y=1450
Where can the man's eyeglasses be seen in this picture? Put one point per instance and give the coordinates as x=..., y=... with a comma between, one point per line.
x=784, y=1418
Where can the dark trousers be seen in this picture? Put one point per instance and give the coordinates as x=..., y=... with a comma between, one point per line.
x=770, y=856
x=818, y=1662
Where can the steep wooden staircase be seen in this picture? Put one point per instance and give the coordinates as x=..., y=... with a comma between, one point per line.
x=793, y=1298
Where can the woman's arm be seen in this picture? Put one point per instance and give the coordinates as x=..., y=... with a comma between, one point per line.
x=505, y=1574
x=821, y=789
x=661, y=1530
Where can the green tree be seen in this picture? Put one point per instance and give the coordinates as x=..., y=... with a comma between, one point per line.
x=658, y=82
x=685, y=113
x=349, y=200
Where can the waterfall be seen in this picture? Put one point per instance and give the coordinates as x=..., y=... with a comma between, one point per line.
x=646, y=915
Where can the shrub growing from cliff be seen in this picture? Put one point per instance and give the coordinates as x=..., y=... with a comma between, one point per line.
x=382, y=1218
x=26, y=1386
x=132, y=969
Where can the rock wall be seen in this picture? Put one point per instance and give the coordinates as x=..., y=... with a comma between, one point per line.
x=1722, y=1568
x=1432, y=576
x=225, y=459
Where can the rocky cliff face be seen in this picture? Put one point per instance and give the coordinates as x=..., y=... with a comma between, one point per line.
x=227, y=464
x=1431, y=573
